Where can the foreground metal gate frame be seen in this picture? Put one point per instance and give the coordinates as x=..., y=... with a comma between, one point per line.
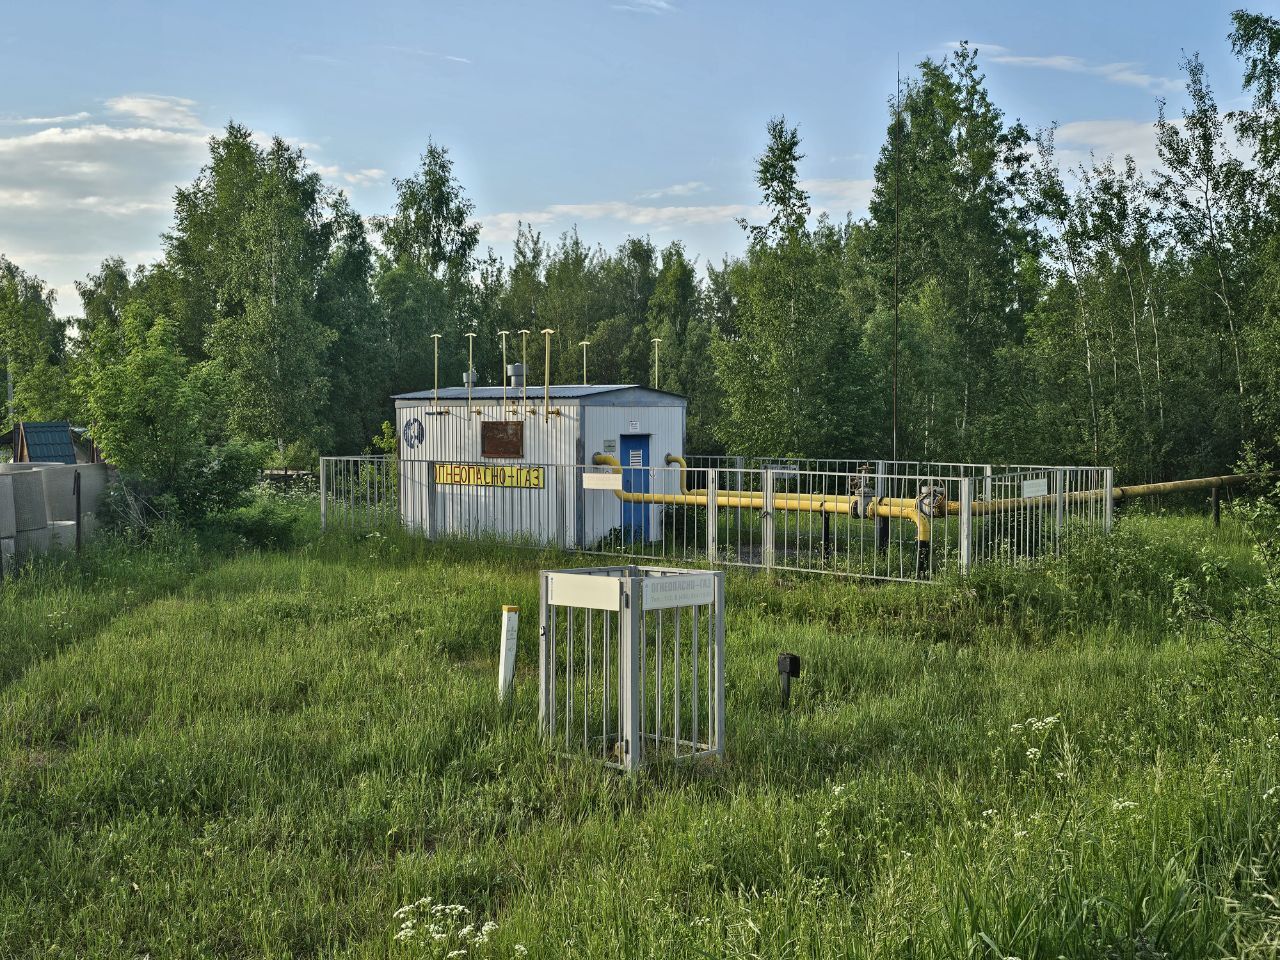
x=628, y=662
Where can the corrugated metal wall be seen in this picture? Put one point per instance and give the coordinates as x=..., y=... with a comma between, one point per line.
x=453, y=435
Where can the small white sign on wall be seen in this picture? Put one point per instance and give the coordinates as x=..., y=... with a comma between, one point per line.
x=633, y=426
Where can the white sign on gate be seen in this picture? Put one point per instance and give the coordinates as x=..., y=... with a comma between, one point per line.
x=1035, y=488
x=686, y=590
x=602, y=481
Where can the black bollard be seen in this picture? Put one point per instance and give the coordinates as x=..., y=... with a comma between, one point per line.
x=882, y=534
x=922, y=558
x=788, y=667
x=75, y=488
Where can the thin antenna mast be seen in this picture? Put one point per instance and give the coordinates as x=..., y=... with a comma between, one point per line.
x=435, y=390
x=897, y=241
x=504, y=334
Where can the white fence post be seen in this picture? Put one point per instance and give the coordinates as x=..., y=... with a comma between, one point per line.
x=545, y=665
x=718, y=677
x=562, y=491
x=713, y=518
x=324, y=492
x=966, y=524
x=766, y=519
x=429, y=527
x=1108, y=500
x=631, y=633
x=1059, y=508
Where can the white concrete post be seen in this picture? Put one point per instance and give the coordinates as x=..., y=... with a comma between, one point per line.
x=507, y=651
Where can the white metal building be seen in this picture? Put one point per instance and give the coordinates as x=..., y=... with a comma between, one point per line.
x=510, y=460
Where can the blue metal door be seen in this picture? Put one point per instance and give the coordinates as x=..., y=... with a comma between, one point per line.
x=635, y=479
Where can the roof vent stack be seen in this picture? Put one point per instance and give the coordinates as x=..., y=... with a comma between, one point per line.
x=515, y=375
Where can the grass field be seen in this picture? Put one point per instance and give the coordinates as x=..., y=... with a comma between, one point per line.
x=267, y=754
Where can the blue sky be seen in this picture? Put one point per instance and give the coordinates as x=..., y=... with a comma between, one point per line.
x=622, y=116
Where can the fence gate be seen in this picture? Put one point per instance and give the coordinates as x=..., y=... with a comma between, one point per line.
x=631, y=663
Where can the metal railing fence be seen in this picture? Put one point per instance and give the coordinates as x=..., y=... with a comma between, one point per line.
x=854, y=521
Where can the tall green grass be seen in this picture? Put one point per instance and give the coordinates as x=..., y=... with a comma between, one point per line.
x=251, y=754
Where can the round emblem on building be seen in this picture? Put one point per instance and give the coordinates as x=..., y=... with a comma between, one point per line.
x=414, y=432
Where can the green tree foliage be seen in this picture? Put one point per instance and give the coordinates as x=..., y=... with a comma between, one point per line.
x=34, y=355
x=144, y=410
x=946, y=236
x=787, y=359
x=1256, y=39
x=423, y=280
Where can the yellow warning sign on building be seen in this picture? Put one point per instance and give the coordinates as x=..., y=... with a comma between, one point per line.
x=485, y=475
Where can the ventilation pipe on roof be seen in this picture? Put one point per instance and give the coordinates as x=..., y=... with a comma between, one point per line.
x=515, y=375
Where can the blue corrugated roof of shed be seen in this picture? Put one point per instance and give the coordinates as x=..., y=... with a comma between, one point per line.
x=568, y=391
x=49, y=442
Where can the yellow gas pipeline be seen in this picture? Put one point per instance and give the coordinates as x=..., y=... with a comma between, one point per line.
x=981, y=507
x=895, y=507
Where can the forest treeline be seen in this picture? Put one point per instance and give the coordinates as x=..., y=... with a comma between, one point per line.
x=1098, y=314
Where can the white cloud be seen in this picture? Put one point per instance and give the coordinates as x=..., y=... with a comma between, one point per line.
x=365, y=177
x=425, y=54
x=168, y=112
x=360, y=178
x=676, y=190
x=1125, y=72
x=1074, y=142
x=838, y=196
x=500, y=228
x=646, y=6
x=72, y=195
x=47, y=121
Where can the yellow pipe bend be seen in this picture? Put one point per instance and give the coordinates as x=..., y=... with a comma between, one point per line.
x=684, y=473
